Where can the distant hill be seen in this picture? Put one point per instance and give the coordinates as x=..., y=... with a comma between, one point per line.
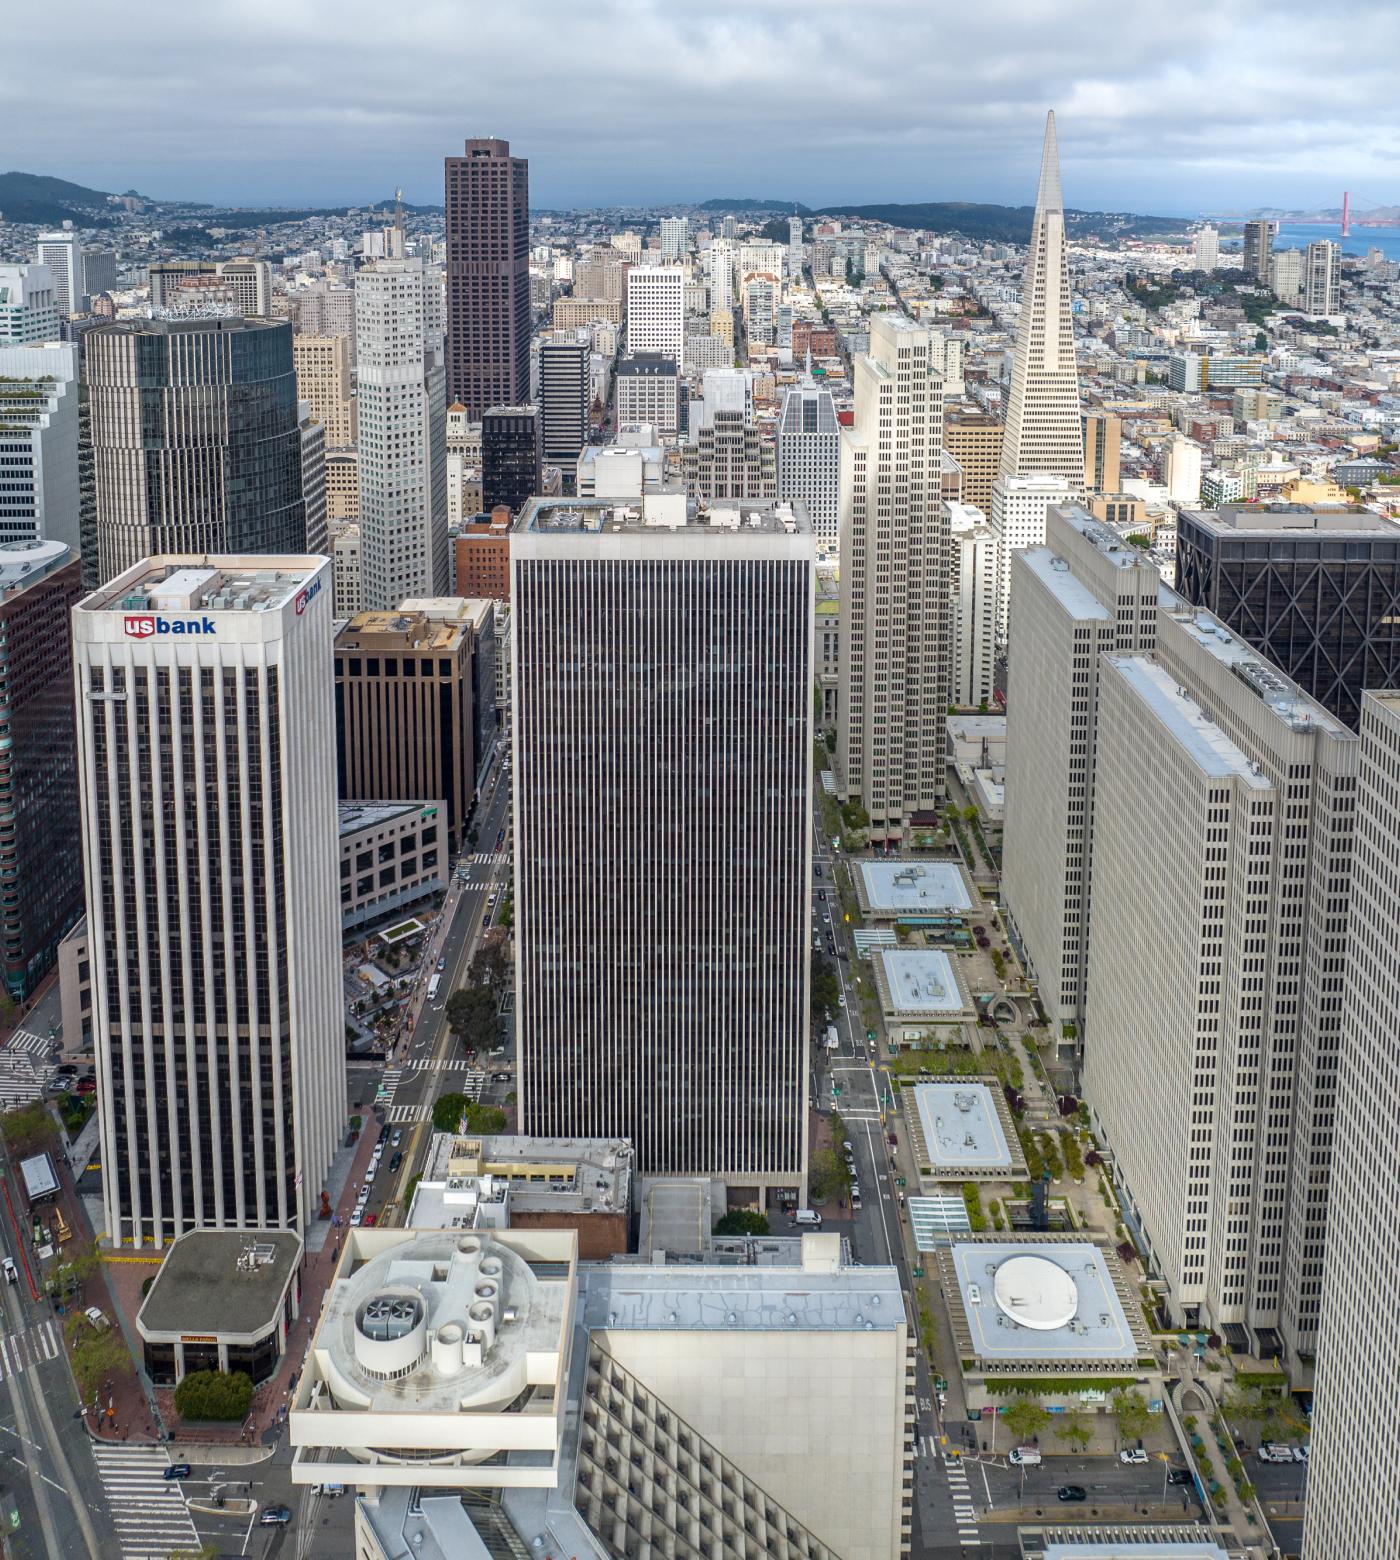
x=34, y=197
x=244, y=218
x=1004, y=224
x=748, y=203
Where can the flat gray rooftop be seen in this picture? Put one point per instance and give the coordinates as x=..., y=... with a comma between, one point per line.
x=899, y=887
x=1207, y=745
x=354, y=816
x=598, y=517
x=1291, y=519
x=961, y=1127
x=1103, y=538
x=1114, y=1549
x=1096, y=1326
x=202, y=583
x=922, y=980
x=207, y=1283
x=1278, y=691
x=686, y=1297
x=1056, y=576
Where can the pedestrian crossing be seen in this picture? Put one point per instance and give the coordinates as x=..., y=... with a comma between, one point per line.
x=408, y=1115
x=26, y=1040
x=22, y=1077
x=443, y=1064
x=964, y=1512
x=388, y=1086
x=18, y=1351
x=150, y=1519
x=489, y=858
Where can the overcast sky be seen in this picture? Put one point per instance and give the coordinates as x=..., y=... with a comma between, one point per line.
x=1200, y=104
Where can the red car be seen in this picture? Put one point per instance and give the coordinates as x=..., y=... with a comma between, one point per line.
x=86, y=1086
x=369, y=1218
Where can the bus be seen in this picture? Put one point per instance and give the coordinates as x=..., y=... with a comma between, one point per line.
x=434, y=981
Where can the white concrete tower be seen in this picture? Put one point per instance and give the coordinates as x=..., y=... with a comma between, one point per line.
x=206, y=758
x=403, y=437
x=1044, y=435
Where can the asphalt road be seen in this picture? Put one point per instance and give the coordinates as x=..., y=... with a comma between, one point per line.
x=424, y=1077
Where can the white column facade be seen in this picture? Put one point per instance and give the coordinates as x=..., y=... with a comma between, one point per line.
x=206, y=749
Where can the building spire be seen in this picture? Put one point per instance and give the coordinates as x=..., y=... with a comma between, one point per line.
x=1043, y=434
x=1048, y=196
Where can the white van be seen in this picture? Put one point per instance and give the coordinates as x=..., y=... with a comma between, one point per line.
x=807, y=1216
x=1025, y=1456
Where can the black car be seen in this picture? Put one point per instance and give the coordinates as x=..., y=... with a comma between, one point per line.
x=176, y=1471
x=1180, y=1476
x=1069, y=1492
x=395, y=1161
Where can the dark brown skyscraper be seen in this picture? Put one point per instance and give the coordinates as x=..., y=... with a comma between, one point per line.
x=488, y=277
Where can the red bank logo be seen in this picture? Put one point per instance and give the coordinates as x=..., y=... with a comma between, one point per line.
x=305, y=595
x=140, y=627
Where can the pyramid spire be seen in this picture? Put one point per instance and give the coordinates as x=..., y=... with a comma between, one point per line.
x=1043, y=435
x=1048, y=196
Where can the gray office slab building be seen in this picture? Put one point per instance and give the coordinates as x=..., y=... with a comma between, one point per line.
x=1317, y=590
x=662, y=703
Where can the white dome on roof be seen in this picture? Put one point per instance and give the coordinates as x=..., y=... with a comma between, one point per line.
x=1035, y=1292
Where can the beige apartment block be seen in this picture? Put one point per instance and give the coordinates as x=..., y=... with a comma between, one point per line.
x=572, y=312
x=896, y=560
x=323, y=378
x=1085, y=592
x=1215, y=971
x=1354, y=1500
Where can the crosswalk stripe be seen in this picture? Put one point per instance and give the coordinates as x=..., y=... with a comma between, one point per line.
x=148, y=1514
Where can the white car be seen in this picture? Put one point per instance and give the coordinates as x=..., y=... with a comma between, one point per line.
x=842, y=999
x=1135, y=1455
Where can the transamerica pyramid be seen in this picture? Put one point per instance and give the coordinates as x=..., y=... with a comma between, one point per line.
x=1044, y=435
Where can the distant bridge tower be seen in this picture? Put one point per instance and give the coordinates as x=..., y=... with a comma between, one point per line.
x=1346, y=213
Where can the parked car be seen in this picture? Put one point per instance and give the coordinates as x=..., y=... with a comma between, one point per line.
x=1300, y=1454
x=1024, y=1456
x=86, y=1086
x=177, y=1471
x=1271, y=1452
x=395, y=1162
x=894, y=1141
x=370, y=1219
x=396, y=1137
x=1134, y=1455
x=275, y=1516
x=1069, y=1492
x=1180, y=1476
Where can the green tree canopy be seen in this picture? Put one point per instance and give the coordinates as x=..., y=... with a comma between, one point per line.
x=827, y=1177
x=490, y=966
x=1130, y=1411
x=1025, y=1418
x=1073, y=1427
x=743, y=1221
x=214, y=1395
x=95, y=1356
x=471, y=1015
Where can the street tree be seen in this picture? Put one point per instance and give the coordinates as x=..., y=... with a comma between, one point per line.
x=1025, y=1418
x=490, y=966
x=826, y=988
x=1130, y=1412
x=95, y=1356
x=1073, y=1427
x=471, y=1015
x=827, y=1176
x=30, y=1129
x=449, y=1111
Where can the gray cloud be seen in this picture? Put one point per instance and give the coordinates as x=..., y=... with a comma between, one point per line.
x=1197, y=104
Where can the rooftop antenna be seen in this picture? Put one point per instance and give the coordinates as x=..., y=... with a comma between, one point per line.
x=398, y=208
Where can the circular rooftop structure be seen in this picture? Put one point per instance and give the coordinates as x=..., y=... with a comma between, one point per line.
x=1036, y=1293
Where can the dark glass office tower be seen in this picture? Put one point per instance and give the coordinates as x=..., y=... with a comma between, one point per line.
x=510, y=457
x=487, y=193
x=194, y=441
x=41, y=866
x=662, y=709
x=1315, y=590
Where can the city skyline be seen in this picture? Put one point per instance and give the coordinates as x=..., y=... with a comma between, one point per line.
x=1169, y=112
